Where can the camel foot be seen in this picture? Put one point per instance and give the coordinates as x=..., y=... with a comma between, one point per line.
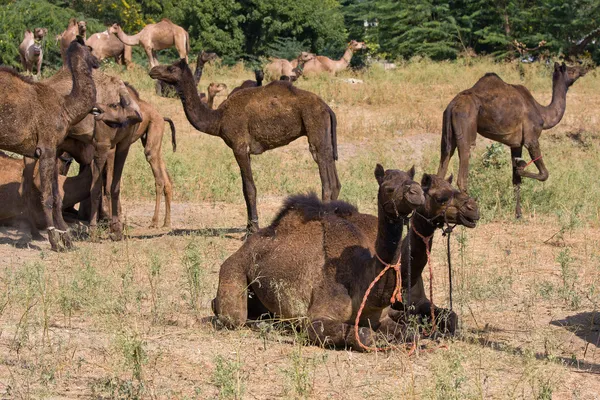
x=251, y=228
x=446, y=321
x=167, y=224
x=153, y=225
x=116, y=231
x=94, y=234
x=59, y=240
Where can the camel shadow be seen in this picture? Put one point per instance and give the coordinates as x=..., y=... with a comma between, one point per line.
x=17, y=237
x=208, y=232
x=585, y=325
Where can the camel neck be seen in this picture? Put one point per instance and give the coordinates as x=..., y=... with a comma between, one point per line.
x=198, y=114
x=419, y=228
x=82, y=97
x=128, y=40
x=553, y=113
x=343, y=62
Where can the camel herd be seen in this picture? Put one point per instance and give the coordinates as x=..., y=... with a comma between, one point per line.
x=318, y=259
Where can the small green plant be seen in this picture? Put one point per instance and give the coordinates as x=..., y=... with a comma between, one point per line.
x=194, y=274
x=134, y=357
x=494, y=156
x=227, y=377
x=154, y=278
x=569, y=279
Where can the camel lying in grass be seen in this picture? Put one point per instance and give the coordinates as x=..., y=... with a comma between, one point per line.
x=314, y=262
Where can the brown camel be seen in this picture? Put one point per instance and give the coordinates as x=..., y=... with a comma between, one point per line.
x=73, y=29
x=114, y=130
x=323, y=64
x=507, y=114
x=153, y=37
x=30, y=49
x=313, y=262
x=104, y=45
x=35, y=120
x=258, y=75
x=260, y=119
x=279, y=67
x=73, y=190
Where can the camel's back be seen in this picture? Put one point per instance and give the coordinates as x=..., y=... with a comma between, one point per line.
x=491, y=87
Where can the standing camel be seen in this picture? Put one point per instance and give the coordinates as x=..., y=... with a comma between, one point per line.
x=323, y=64
x=35, y=120
x=30, y=49
x=153, y=37
x=73, y=29
x=260, y=119
x=314, y=262
x=507, y=114
x=104, y=45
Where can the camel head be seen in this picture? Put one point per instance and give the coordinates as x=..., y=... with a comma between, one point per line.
x=444, y=203
x=204, y=57
x=398, y=193
x=114, y=29
x=78, y=50
x=259, y=76
x=215, y=88
x=82, y=27
x=171, y=74
x=117, y=108
x=39, y=33
x=306, y=56
x=568, y=74
x=355, y=46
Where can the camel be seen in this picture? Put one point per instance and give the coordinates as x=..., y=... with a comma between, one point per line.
x=30, y=49
x=321, y=64
x=279, y=67
x=313, y=262
x=73, y=190
x=104, y=45
x=258, y=75
x=153, y=37
x=112, y=129
x=259, y=119
x=507, y=114
x=211, y=92
x=35, y=120
x=73, y=29
x=165, y=90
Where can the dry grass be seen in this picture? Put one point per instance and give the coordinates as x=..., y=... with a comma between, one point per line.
x=132, y=319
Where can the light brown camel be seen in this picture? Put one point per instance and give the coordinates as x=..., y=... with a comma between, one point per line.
x=30, y=49
x=35, y=120
x=105, y=134
x=507, y=114
x=153, y=37
x=279, y=67
x=323, y=64
x=259, y=119
x=73, y=190
x=313, y=262
x=73, y=29
x=211, y=92
x=258, y=75
x=104, y=45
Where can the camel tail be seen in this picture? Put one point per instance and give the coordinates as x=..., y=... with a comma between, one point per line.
x=447, y=131
x=173, y=137
x=187, y=42
x=333, y=132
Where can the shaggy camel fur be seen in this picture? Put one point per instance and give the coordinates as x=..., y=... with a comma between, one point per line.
x=104, y=45
x=153, y=37
x=260, y=119
x=258, y=75
x=107, y=131
x=35, y=120
x=73, y=29
x=30, y=49
x=73, y=190
x=507, y=114
x=313, y=262
x=323, y=64
x=279, y=67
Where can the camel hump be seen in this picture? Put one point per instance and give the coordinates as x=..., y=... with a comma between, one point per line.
x=166, y=20
x=311, y=208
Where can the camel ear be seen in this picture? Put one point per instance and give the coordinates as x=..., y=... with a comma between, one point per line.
x=379, y=173
x=411, y=172
x=556, y=66
x=563, y=67
x=426, y=182
x=449, y=180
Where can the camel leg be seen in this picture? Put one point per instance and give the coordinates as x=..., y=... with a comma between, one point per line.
x=28, y=184
x=464, y=152
x=231, y=304
x=163, y=185
x=121, y=153
x=330, y=183
x=243, y=160
x=516, y=153
x=535, y=153
x=99, y=163
x=330, y=333
x=150, y=56
x=57, y=200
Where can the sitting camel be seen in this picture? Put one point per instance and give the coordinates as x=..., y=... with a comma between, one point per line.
x=153, y=37
x=35, y=120
x=321, y=64
x=260, y=119
x=30, y=50
x=314, y=262
x=258, y=75
x=73, y=30
x=104, y=45
x=507, y=114
x=279, y=67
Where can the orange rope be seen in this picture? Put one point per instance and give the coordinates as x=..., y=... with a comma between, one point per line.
x=532, y=161
x=426, y=240
x=396, y=296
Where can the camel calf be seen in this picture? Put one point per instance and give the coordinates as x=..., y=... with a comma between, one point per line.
x=30, y=50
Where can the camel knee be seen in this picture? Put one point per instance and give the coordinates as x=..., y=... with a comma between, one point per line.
x=227, y=313
x=544, y=175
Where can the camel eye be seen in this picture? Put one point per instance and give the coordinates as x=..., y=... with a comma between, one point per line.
x=442, y=199
x=114, y=106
